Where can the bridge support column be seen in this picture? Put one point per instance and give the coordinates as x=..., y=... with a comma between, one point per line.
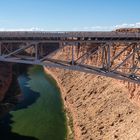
x=0, y=49
x=108, y=57
x=72, y=54
x=36, y=52
x=103, y=56
x=133, y=61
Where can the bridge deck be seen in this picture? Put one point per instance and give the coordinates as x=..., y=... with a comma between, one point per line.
x=74, y=36
x=90, y=52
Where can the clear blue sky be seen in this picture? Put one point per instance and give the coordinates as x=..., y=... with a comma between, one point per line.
x=67, y=14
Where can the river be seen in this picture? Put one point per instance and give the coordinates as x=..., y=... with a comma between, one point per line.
x=40, y=114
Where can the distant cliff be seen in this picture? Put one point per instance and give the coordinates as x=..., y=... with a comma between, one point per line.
x=130, y=30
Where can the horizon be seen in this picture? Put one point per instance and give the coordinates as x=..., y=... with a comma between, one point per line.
x=57, y=31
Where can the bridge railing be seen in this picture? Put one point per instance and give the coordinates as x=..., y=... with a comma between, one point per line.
x=66, y=34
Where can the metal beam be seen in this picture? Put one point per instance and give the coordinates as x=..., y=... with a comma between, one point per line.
x=122, y=63
x=0, y=49
x=107, y=66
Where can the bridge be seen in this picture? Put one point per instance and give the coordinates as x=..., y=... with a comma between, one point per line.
x=112, y=54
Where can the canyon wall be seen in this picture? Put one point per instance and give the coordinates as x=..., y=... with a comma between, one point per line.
x=9, y=88
x=102, y=108
x=5, y=78
x=5, y=82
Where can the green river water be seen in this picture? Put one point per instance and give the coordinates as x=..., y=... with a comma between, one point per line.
x=40, y=116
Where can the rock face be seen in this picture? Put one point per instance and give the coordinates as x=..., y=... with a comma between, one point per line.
x=5, y=83
x=101, y=107
x=5, y=78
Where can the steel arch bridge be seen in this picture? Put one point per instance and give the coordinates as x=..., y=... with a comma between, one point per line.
x=112, y=54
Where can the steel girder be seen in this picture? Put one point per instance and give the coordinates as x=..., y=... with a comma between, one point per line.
x=119, y=60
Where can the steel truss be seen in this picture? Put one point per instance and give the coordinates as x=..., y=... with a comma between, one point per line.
x=116, y=59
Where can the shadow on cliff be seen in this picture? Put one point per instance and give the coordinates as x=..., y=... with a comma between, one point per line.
x=29, y=98
x=6, y=123
x=5, y=131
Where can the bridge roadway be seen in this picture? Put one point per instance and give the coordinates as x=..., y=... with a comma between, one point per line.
x=69, y=36
x=116, y=61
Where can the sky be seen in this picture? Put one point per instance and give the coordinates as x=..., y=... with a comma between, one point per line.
x=68, y=15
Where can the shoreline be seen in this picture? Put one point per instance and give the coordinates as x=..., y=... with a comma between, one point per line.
x=68, y=113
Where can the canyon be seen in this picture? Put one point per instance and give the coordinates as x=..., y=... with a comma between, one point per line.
x=100, y=108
